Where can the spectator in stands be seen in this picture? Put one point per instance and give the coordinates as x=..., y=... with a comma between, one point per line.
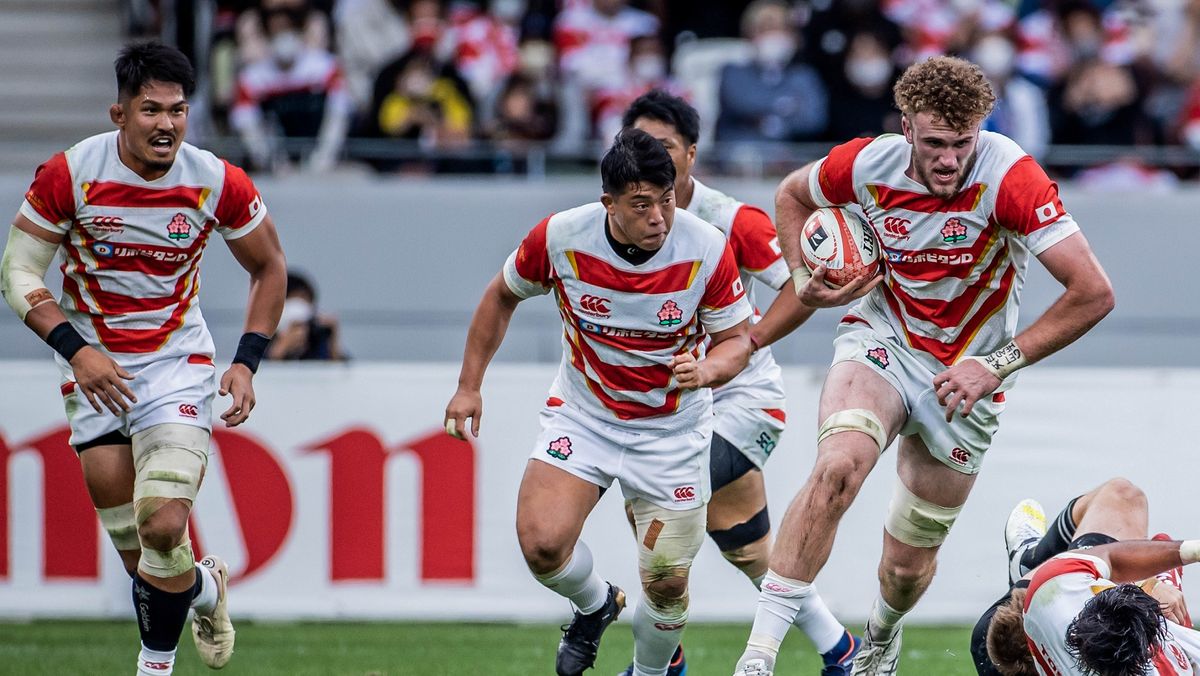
x=303, y=334
x=422, y=99
x=254, y=44
x=774, y=97
x=827, y=34
x=297, y=92
x=370, y=34
x=864, y=100
x=485, y=44
x=645, y=70
x=522, y=114
x=1020, y=112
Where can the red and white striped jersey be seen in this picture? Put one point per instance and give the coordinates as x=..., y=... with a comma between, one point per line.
x=132, y=248
x=623, y=323
x=756, y=250
x=954, y=266
x=1057, y=592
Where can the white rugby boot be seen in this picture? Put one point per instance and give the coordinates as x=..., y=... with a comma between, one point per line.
x=213, y=632
x=1025, y=527
x=878, y=658
x=754, y=667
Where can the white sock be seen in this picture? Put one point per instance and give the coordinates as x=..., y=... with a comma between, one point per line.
x=155, y=663
x=817, y=623
x=206, y=601
x=654, y=645
x=779, y=603
x=884, y=620
x=577, y=580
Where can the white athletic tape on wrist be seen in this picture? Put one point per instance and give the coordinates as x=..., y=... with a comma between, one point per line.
x=121, y=526
x=169, y=461
x=1189, y=551
x=916, y=521
x=1004, y=361
x=800, y=277
x=23, y=271
x=854, y=420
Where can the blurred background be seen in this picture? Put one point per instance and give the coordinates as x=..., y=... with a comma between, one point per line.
x=405, y=146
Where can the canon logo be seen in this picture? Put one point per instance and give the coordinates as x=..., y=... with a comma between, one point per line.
x=594, y=306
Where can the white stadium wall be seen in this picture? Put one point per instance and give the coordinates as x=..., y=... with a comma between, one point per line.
x=341, y=498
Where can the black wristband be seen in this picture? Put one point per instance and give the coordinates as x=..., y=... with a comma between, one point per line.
x=250, y=350
x=65, y=340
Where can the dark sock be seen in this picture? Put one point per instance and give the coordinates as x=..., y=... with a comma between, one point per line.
x=160, y=614
x=196, y=588
x=1056, y=540
x=843, y=647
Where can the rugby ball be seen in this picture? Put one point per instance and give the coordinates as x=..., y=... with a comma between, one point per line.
x=838, y=239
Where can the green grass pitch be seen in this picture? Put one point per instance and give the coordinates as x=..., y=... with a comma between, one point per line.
x=442, y=649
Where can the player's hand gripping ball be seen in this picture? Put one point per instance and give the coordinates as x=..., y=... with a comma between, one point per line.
x=838, y=239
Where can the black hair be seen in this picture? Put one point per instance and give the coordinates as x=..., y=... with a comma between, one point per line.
x=297, y=282
x=668, y=109
x=636, y=157
x=1116, y=632
x=141, y=62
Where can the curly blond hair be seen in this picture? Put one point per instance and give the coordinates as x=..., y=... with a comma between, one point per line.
x=1006, y=645
x=952, y=89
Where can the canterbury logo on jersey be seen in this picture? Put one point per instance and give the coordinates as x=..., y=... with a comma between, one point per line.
x=896, y=227
x=594, y=306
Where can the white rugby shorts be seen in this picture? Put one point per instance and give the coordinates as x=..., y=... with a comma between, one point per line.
x=959, y=444
x=753, y=430
x=175, y=390
x=670, y=469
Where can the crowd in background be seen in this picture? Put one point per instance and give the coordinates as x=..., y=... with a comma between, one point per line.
x=445, y=74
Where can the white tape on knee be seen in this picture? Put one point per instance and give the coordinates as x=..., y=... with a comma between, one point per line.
x=854, y=420
x=668, y=540
x=918, y=522
x=168, y=564
x=169, y=460
x=120, y=525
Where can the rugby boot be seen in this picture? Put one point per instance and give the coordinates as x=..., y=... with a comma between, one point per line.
x=677, y=667
x=756, y=666
x=877, y=658
x=837, y=662
x=213, y=632
x=581, y=639
x=1024, y=529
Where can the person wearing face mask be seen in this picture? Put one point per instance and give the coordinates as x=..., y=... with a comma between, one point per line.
x=647, y=72
x=1020, y=111
x=485, y=44
x=774, y=97
x=304, y=334
x=863, y=99
x=297, y=91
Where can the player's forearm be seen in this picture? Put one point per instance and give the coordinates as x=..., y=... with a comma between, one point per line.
x=727, y=358
x=486, y=332
x=792, y=208
x=785, y=315
x=1075, y=312
x=1135, y=560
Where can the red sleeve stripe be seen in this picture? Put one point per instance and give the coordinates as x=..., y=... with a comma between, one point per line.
x=113, y=194
x=894, y=198
x=52, y=194
x=1056, y=567
x=750, y=236
x=776, y=413
x=597, y=272
x=836, y=176
x=533, y=259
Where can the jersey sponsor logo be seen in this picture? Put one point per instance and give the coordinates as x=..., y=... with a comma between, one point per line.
x=1047, y=212
x=591, y=327
x=595, y=306
x=189, y=410
x=765, y=442
x=670, y=314
x=879, y=357
x=930, y=257
x=179, y=228
x=960, y=456
x=896, y=227
x=560, y=448
x=103, y=249
x=106, y=250
x=107, y=224
x=953, y=231
x=685, y=494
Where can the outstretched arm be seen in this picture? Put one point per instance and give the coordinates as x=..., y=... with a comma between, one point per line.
x=1135, y=560
x=484, y=337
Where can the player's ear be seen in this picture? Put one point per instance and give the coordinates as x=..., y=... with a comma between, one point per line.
x=116, y=113
x=609, y=202
x=906, y=127
x=691, y=157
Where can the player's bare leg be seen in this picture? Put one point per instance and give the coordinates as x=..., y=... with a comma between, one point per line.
x=108, y=473
x=552, y=506
x=805, y=536
x=733, y=515
x=906, y=569
x=1116, y=508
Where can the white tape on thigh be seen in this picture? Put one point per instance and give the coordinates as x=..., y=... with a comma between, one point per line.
x=169, y=460
x=668, y=540
x=168, y=564
x=854, y=420
x=120, y=525
x=918, y=522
